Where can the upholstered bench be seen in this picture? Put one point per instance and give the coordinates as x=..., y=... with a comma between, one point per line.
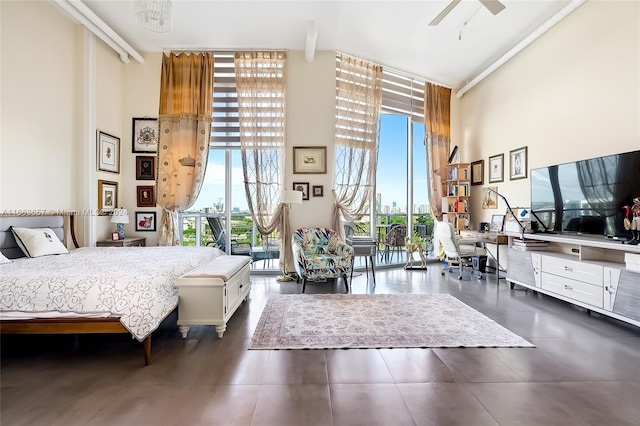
x=210, y=294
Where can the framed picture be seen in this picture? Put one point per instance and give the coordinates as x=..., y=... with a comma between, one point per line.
x=145, y=134
x=145, y=167
x=145, y=221
x=477, y=172
x=489, y=198
x=146, y=196
x=310, y=159
x=496, y=168
x=107, y=196
x=302, y=186
x=318, y=190
x=115, y=236
x=108, y=150
x=518, y=163
x=497, y=221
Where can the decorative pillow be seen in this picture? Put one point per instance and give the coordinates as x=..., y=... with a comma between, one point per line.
x=36, y=242
x=4, y=259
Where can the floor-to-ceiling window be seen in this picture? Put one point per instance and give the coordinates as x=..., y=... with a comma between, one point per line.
x=223, y=192
x=401, y=181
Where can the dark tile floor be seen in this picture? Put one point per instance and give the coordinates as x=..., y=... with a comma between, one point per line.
x=585, y=370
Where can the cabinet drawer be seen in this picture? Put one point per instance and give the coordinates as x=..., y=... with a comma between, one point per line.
x=573, y=269
x=579, y=291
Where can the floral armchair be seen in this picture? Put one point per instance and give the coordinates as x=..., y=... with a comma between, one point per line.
x=318, y=254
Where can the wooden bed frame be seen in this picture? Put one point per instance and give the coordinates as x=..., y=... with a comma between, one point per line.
x=110, y=325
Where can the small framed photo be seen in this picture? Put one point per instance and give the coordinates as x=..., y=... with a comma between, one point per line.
x=115, y=236
x=318, y=190
x=145, y=221
x=145, y=167
x=518, y=163
x=496, y=168
x=309, y=159
x=302, y=186
x=477, y=172
x=489, y=198
x=146, y=196
x=497, y=222
x=145, y=134
x=107, y=196
x=108, y=150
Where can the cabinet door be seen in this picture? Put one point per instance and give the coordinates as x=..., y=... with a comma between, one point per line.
x=611, y=280
x=536, y=260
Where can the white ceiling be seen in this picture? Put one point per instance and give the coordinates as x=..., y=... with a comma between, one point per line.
x=393, y=33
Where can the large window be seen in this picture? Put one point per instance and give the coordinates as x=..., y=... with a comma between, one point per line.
x=223, y=190
x=401, y=180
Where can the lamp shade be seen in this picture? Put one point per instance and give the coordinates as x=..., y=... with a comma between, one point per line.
x=289, y=196
x=120, y=216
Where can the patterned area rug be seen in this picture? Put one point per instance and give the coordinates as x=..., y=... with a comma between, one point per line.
x=334, y=321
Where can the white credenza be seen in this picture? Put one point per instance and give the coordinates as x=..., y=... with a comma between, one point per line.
x=585, y=271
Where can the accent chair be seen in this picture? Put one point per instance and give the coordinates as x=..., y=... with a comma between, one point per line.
x=319, y=254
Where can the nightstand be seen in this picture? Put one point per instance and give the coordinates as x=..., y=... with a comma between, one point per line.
x=127, y=242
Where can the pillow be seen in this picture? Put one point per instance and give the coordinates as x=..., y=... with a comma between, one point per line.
x=36, y=242
x=3, y=259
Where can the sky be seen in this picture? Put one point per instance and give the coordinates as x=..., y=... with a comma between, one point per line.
x=392, y=158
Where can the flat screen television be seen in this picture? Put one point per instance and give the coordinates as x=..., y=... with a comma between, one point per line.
x=587, y=196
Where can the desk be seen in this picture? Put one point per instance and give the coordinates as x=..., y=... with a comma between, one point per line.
x=491, y=238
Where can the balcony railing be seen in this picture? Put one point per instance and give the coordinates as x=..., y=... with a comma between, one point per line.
x=195, y=231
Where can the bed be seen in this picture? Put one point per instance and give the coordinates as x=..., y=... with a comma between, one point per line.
x=90, y=289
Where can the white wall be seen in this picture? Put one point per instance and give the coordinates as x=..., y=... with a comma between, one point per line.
x=572, y=94
x=311, y=89
x=141, y=98
x=39, y=112
x=109, y=101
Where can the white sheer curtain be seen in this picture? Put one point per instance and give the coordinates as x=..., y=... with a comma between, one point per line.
x=358, y=104
x=260, y=84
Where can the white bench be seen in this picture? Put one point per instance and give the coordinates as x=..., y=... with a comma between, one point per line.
x=211, y=293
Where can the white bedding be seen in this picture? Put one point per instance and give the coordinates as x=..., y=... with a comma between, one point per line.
x=133, y=283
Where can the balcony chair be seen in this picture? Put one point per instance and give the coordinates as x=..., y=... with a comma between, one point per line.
x=220, y=237
x=319, y=254
x=458, y=250
x=394, y=242
x=269, y=250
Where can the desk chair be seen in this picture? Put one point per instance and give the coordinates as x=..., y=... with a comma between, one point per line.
x=456, y=249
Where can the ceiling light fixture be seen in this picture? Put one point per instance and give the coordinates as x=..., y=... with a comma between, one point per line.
x=155, y=15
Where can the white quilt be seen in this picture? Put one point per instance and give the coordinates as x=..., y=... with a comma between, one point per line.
x=133, y=283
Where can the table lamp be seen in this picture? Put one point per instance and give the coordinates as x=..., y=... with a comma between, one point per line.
x=287, y=197
x=120, y=217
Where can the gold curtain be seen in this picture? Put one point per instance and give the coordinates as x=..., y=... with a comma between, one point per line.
x=358, y=105
x=186, y=88
x=260, y=84
x=437, y=121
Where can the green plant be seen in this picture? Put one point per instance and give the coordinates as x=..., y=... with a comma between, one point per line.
x=424, y=220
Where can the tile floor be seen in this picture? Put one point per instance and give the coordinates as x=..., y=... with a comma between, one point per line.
x=585, y=370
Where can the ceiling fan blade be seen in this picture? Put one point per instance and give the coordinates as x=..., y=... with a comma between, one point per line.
x=494, y=6
x=444, y=13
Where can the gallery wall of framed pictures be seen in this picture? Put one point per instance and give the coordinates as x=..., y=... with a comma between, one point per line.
x=145, y=137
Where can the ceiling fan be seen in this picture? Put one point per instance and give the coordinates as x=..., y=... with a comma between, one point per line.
x=493, y=6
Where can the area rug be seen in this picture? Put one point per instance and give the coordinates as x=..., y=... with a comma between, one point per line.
x=340, y=321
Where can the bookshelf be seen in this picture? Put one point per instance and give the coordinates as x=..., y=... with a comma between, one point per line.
x=455, y=203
